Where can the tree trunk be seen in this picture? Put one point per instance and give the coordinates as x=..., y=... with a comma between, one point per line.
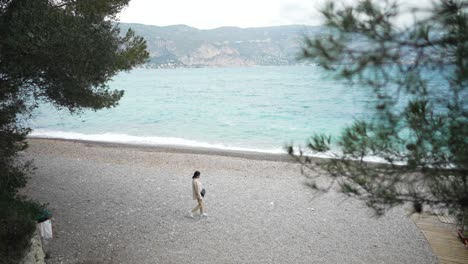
x=464, y=222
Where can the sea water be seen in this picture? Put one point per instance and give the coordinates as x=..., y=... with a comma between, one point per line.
x=259, y=109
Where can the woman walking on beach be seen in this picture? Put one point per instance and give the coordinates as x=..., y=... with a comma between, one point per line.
x=197, y=189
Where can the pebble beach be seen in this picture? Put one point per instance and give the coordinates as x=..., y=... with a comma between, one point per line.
x=116, y=203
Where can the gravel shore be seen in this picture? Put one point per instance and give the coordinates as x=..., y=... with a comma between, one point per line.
x=129, y=204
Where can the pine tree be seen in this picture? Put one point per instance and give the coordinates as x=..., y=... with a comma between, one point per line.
x=418, y=77
x=58, y=51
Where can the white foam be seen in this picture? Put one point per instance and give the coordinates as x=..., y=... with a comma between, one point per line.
x=337, y=154
x=144, y=140
x=173, y=141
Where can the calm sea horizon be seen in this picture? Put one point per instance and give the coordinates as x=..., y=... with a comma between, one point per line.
x=258, y=109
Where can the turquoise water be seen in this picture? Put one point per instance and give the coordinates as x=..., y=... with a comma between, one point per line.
x=251, y=108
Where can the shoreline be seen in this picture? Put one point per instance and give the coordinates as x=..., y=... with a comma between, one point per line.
x=180, y=149
x=251, y=155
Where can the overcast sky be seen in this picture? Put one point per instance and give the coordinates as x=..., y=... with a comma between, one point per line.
x=207, y=14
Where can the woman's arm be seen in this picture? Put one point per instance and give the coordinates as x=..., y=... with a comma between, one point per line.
x=198, y=188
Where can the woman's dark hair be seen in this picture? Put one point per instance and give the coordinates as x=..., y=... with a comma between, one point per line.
x=196, y=175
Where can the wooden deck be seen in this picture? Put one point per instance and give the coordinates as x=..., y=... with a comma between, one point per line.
x=443, y=239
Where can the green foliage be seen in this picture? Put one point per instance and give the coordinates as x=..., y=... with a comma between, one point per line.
x=12, y=138
x=321, y=143
x=17, y=224
x=62, y=52
x=64, y=55
x=418, y=129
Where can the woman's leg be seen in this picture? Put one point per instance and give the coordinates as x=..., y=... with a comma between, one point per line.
x=201, y=206
x=196, y=208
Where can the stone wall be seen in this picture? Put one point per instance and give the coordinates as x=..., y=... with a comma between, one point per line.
x=36, y=254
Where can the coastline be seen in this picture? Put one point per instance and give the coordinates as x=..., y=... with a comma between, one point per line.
x=252, y=155
x=168, y=148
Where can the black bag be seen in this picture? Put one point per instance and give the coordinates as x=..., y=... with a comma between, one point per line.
x=203, y=192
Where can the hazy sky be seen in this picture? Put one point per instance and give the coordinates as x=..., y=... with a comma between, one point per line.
x=207, y=14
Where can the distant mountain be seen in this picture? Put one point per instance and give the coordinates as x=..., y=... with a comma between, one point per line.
x=184, y=46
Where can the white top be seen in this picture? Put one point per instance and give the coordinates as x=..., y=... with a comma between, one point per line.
x=197, y=187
